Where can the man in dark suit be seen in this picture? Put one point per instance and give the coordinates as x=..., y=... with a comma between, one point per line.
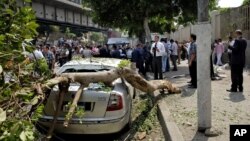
x=238, y=62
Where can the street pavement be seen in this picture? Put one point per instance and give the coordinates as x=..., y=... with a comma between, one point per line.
x=227, y=108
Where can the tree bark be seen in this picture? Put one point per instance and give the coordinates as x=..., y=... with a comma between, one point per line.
x=107, y=77
x=146, y=28
x=52, y=82
x=73, y=106
x=203, y=10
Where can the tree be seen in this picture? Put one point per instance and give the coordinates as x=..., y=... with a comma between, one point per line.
x=246, y=2
x=19, y=102
x=96, y=37
x=69, y=34
x=23, y=94
x=142, y=17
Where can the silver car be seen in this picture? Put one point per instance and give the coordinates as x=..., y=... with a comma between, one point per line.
x=105, y=111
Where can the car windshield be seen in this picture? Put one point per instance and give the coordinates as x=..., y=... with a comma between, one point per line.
x=73, y=70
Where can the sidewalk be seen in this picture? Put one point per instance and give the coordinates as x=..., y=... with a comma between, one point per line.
x=227, y=108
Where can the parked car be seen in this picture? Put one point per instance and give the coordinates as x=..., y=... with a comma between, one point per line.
x=105, y=111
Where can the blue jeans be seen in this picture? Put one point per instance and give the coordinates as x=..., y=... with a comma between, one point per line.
x=164, y=63
x=167, y=64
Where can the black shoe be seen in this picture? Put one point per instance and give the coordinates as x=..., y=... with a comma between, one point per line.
x=230, y=90
x=213, y=78
x=240, y=89
x=192, y=86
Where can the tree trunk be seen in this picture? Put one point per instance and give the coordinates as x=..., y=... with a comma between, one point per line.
x=147, y=29
x=203, y=10
x=141, y=37
x=107, y=77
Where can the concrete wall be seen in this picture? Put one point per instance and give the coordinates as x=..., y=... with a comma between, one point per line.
x=223, y=24
x=248, y=54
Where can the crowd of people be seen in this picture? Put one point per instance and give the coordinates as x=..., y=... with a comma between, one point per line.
x=142, y=54
x=158, y=57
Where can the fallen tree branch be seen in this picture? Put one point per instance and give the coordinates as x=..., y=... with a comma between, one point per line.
x=54, y=81
x=73, y=106
x=63, y=90
x=132, y=77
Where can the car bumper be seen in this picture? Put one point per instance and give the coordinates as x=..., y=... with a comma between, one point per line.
x=87, y=127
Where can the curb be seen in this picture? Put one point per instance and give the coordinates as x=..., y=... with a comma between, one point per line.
x=170, y=129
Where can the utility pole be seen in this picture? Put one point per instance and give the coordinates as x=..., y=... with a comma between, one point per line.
x=204, y=34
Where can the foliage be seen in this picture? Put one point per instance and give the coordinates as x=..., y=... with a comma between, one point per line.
x=96, y=37
x=148, y=117
x=105, y=88
x=79, y=112
x=69, y=34
x=18, y=99
x=124, y=63
x=129, y=15
x=246, y=2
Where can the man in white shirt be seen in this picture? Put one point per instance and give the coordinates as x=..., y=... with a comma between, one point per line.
x=174, y=53
x=37, y=54
x=157, y=50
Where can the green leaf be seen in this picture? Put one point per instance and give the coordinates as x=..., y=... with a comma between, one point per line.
x=124, y=63
x=2, y=115
x=27, y=0
x=34, y=101
x=27, y=134
x=23, y=136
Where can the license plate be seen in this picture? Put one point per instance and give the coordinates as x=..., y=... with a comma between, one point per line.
x=81, y=105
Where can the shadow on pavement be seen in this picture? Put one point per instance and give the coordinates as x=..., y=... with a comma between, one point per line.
x=199, y=136
x=236, y=97
x=187, y=92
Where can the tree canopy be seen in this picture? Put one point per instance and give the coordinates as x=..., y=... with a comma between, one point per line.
x=130, y=14
x=246, y=2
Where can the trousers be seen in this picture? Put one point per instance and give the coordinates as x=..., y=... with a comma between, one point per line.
x=157, y=65
x=193, y=73
x=237, y=76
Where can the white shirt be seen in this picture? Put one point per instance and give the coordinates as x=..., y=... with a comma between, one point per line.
x=160, y=47
x=38, y=54
x=174, y=48
x=129, y=53
x=230, y=44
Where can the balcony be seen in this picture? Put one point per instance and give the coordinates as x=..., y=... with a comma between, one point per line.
x=68, y=4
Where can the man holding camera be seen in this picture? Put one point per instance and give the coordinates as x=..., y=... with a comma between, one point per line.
x=157, y=50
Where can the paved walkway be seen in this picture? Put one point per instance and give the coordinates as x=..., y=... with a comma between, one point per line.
x=227, y=109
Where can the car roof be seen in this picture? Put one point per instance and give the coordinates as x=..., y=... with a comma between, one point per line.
x=108, y=62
